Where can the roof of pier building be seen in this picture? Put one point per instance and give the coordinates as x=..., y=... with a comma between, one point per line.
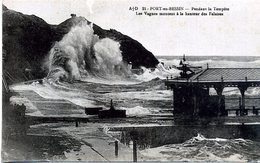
x=228, y=74
x=211, y=77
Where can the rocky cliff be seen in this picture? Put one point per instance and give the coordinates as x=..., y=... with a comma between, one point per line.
x=27, y=40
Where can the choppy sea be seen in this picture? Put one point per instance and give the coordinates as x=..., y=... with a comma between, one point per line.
x=146, y=94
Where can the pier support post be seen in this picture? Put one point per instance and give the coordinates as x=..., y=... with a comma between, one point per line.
x=116, y=148
x=254, y=110
x=77, y=123
x=242, y=89
x=195, y=110
x=219, y=89
x=134, y=138
x=194, y=99
x=173, y=89
x=173, y=100
x=134, y=150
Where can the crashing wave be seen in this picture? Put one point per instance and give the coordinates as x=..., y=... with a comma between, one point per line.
x=81, y=53
x=200, y=148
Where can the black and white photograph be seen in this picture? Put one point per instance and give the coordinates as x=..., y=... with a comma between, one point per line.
x=130, y=80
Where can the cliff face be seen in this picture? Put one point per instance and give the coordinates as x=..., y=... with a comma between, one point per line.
x=27, y=40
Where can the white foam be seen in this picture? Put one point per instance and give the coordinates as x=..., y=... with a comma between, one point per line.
x=159, y=72
x=195, y=149
x=155, y=95
x=200, y=137
x=82, y=54
x=252, y=123
x=137, y=111
x=138, y=125
x=232, y=123
x=235, y=157
x=111, y=81
x=47, y=91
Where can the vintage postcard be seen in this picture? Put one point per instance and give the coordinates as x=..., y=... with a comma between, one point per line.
x=130, y=80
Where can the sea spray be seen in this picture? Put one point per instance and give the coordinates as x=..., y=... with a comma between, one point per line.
x=69, y=55
x=109, y=58
x=200, y=148
x=81, y=54
x=159, y=72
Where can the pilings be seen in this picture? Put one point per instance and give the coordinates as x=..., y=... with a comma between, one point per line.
x=134, y=150
x=242, y=89
x=189, y=95
x=219, y=89
x=134, y=138
x=195, y=108
x=116, y=148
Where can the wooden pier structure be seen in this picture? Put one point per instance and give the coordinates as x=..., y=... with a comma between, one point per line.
x=191, y=90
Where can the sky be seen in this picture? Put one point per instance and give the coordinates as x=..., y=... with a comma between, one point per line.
x=235, y=33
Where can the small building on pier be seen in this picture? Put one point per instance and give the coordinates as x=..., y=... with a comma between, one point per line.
x=191, y=95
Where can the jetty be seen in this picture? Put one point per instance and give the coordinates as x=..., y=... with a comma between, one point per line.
x=191, y=90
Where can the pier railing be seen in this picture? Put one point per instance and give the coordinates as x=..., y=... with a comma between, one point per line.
x=177, y=79
x=233, y=106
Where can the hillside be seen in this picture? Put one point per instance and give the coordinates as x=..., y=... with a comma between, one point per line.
x=27, y=40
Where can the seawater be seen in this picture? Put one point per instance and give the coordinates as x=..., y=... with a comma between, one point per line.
x=192, y=143
x=215, y=61
x=146, y=94
x=141, y=94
